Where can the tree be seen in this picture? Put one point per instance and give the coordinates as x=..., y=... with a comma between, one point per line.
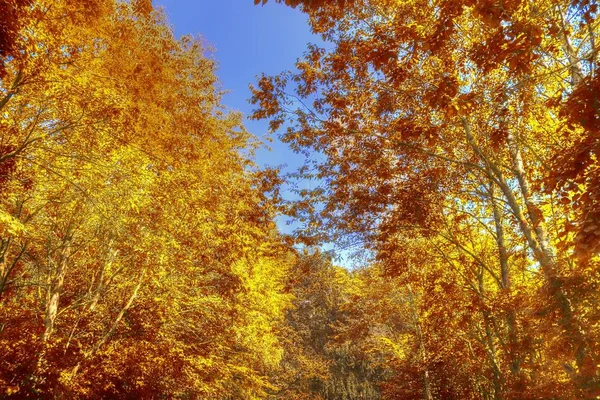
x=418, y=111
x=139, y=257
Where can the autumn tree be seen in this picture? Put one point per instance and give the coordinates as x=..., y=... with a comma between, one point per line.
x=139, y=256
x=420, y=113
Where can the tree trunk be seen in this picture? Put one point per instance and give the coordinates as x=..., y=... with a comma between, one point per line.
x=547, y=258
x=497, y=374
x=55, y=289
x=89, y=354
x=99, y=284
x=502, y=252
x=511, y=317
x=427, y=395
x=536, y=239
x=5, y=268
x=574, y=67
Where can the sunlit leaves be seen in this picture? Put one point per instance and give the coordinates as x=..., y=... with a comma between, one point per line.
x=130, y=216
x=468, y=128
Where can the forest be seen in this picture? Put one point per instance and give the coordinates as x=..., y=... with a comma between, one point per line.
x=453, y=144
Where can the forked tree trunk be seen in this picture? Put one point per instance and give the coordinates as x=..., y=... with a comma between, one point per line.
x=536, y=236
x=547, y=258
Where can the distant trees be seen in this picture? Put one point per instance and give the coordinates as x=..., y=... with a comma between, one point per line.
x=318, y=362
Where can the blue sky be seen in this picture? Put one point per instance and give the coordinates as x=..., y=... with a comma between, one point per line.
x=248, y=40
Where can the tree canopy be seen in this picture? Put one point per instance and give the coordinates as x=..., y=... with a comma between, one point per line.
x=458, y=141
x=454, y=142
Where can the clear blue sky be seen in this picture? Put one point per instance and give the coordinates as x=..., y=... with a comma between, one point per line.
x=248, y=41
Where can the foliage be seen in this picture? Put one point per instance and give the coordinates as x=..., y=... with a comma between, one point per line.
x=457, y=140
x=138, y=252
